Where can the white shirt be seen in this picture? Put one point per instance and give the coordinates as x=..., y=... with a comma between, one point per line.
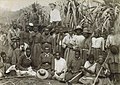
x=60, y=65
x=79, y=40
x=55, y=15
x=68, y=40
x=110, y=40
x=98, y=42
x=90, y=67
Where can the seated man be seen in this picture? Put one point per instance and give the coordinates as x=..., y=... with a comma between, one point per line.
x=24, y=65
x=47, y=60
x=60, y=67
x=5, y=60
x=1, y=66
x=89, y=71
x=74, y=68
x=103, y=78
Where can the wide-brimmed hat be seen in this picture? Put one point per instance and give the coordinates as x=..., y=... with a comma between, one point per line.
x=114, y=49
x=78, y=28
x=42, y=74
x=52, y=4
x=86, y=30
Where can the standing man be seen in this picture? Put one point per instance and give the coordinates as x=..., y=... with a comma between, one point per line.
x=112, y=44
x=55, y=18
x=13, y=33
x=36, y=47
x=57, y=40
x=46, y=37
x=68, y=44
x=97, y=46
x=79, y=38
x=87, y=44
x=25, y=35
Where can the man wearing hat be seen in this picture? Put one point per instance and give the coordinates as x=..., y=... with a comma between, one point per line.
x=46, y=37
x=79, y=38
x=113, y=48
x=55, y=18
x=68, y=44
x=87, y=43
x=13, y=33
x=47, y=60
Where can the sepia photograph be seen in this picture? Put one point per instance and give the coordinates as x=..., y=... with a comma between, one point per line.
x=59, y=42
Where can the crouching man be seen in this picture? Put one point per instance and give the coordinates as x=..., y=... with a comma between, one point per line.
x=24, y=65
x=46, y=60
x=60, y=67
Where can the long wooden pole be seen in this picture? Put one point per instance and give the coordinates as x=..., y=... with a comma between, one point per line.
x=75, y=77
x=100, y=70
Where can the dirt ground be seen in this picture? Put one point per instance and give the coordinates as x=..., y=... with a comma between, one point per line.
x=32, y=81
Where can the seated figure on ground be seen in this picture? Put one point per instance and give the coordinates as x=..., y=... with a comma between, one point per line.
x=4, y=61
x=23, y=67
x=60, y=67
x=47, y=60
x=89, y=71
x=74, y=68
x=103, y=78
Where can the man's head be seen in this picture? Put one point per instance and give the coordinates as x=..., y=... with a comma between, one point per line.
x=31, y=25
x=27, y=28
x=101, y=59
x=97, y=33
x=35, y=29
x=3, y=55
x=78, y=30
x=91, y=58
x=77, y=54
x=71, y=32
x=57, y=54
x=47, y=49
x=86, y=32
x=14, y=26
x=28, y=52
x=112, y=31
x=56, y=30
x=52, y=6
x=46, y=30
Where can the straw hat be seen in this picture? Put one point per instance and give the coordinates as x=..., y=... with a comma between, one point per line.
x=114, y=49
x=42, y=74
x=78, y=28
x=86, y=30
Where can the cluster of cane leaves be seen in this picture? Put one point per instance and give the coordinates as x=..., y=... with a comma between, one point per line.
x=101, y=16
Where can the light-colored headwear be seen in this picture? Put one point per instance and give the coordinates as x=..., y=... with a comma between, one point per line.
x=31, y=24
x=42, y=74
